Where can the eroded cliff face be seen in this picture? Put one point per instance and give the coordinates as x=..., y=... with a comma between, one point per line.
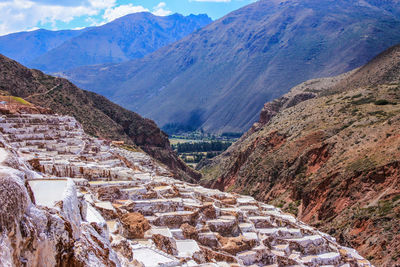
x=32, y=235
x=329, y=153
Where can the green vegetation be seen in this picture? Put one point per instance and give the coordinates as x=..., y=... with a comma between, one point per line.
x=384, y=102
x=174, y=141
x=200, y=135
x=293, y=207
x=363, y=101
x=311, y=90
x=383, y=209
x=346, y=125
x=356, y=100
x=356, y=96
x=201, y=146
x=361, y=165
x=14, y=99
x=231, y=135
x=278, y=203
x=230, y=188
x=196, y=151
x=195, y=146
x=381, y=102
x=20, y=100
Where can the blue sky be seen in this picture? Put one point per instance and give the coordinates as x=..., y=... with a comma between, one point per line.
x=23, y=15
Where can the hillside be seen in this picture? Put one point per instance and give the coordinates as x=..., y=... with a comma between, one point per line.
x=99, y=116
x=328, y=152
x=222, y=74
x=129, y=37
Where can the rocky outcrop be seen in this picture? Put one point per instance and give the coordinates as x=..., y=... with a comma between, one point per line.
x=133, y=225
x=14, y=200
x=92, y=249
x=328, y=153
x=234, y=245
x=35, y=235
x=21, y=109
x=165, y=243
x=270, y=109
x=189, y=232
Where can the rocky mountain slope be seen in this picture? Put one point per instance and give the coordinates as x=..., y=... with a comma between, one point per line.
x=99, y=116
x=222, y=74
x=329, y=153
x=111, y=207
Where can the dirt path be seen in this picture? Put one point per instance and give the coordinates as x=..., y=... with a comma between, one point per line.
x=45, y=93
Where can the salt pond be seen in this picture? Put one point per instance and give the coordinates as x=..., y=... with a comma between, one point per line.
x=48, y=192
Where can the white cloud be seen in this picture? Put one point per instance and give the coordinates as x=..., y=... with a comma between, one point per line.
x=113, y=13
x=120, y=11
x=160, y=10
x=78, y=28
x=59, y=2
x=102, y=4
x=32, y=29
x=22, y=15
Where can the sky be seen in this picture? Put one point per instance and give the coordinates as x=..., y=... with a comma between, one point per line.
x=26, y=15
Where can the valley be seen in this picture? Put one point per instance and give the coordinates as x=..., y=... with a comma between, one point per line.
x=193, y=147
x=194, y=152
x=267, y=135
x=219, y=77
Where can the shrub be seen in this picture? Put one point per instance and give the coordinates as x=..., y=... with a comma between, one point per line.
x=356, y=96
x=363, y=101
x=382, y=102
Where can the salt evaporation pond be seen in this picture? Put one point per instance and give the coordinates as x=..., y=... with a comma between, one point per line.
x=48, y=192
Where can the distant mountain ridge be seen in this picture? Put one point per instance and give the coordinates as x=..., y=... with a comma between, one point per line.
x=219, y=77
x=24, y=47
x=129, y=37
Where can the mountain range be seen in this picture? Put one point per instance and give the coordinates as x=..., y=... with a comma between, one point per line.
x=328, y=152
x=25, y=47
x=129, y=37
x=219, y=77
